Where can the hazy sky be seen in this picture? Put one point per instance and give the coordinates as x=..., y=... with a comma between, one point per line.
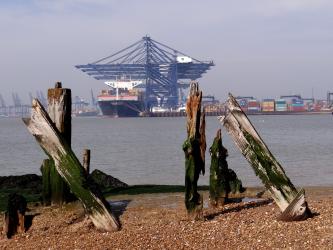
x=262, y=48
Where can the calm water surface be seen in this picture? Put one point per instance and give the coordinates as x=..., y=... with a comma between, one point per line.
x=148, y=150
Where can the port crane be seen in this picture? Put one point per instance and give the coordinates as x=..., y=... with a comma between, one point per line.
x=161, y=68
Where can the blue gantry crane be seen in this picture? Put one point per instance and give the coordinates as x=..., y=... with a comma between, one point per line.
x=163, y=70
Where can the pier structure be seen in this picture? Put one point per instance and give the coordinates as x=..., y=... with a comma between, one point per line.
x=164, y=71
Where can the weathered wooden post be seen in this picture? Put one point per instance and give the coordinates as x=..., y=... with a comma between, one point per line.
x=290, y=201
x=86, y=160
x=46, y=192
x=70, y=169
x=222, y=180
x=218, y=183
x=60, y=112
x=194, y=148
x=14, y=215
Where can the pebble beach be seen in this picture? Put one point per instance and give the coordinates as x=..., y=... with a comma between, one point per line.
x=159, y=221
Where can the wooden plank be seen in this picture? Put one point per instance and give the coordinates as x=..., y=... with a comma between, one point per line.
x=194, y=148
x=69, y=167
x=266, y=167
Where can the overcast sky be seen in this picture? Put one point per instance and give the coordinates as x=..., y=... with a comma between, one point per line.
x=262, y=48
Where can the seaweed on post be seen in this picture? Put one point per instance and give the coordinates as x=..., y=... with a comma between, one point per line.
x=222, y=180
x=70, y=169
x=194, y=148
x=290, y=201
x=60, y=111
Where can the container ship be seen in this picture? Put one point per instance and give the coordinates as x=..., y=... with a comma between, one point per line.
x=121, y=99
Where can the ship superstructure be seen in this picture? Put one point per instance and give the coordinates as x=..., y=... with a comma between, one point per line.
x=122, y=98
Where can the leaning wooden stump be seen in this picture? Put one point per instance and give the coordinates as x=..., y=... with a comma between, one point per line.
x=70, y=169
x=222, y=180
x=194, y=148
x=15, y=215
x=290, y=201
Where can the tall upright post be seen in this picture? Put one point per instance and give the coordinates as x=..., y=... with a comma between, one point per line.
x=194, y=148
x=60, y=111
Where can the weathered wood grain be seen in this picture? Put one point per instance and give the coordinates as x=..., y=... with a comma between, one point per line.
x=69, y=167
x=194, y=148
x=46, y=192
x=266, y=167
x=60, y=111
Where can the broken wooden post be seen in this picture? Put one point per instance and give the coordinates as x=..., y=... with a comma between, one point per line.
x=69, y=167
x=194, y=148
x=222, y=180
x=46, y=192
x=290, y=201
x=15, y=215
x=86, y=160
x=60, y=112
x=218, y=184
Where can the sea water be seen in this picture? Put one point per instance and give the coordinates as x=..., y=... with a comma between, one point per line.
x=149, y=150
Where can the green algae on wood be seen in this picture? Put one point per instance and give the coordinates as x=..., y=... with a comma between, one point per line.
x=264, y=164
x=222, y=180
x=46, y=191
x=194, y=148
x=60, y=110
x=69, y=167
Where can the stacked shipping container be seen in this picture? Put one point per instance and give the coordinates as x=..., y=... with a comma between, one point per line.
x=243, y=104
x=253, y=106
x=297, y=105
x=293, y=103
x=268, y=105
x=280, y=105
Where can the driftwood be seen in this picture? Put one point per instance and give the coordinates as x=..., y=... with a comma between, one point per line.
x=15, y=215
x=70, y=168
x=222, y=180
x=290, y=201
x=194, y=148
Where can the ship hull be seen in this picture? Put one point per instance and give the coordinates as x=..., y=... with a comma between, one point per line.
x=121, y=108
